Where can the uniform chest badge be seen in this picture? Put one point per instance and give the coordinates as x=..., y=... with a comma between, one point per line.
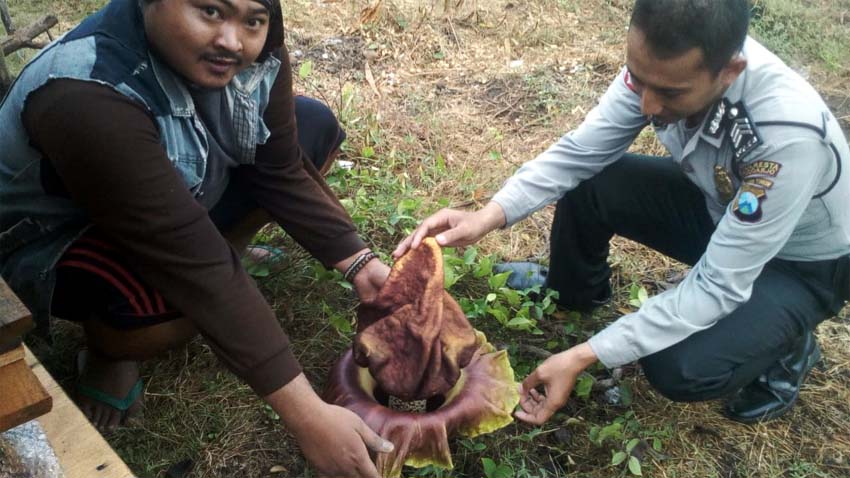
x=723, y=184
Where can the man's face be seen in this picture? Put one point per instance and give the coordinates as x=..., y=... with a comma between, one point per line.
x=677, y=88
x=207, y=41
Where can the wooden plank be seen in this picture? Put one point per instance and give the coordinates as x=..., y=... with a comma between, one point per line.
x=15, y=319
x=81, y=450
x=23, y=396
x=12, y=356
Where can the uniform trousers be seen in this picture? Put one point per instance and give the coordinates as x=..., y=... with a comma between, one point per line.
x=650, y=200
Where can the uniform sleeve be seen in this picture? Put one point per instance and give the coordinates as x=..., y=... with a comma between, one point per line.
x=284, y=182
x=106, y=151
x=599, y=141
x=776, y=190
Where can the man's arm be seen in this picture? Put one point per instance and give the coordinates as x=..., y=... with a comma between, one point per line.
x=601, y=139
x=285, y=183
x=738, y=250
x=106, y=150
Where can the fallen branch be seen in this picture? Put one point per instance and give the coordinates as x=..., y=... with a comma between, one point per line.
x=6, y=18
x=25, y=36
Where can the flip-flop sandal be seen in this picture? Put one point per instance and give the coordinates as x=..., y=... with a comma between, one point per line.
x=120, y=404
x=261, y=268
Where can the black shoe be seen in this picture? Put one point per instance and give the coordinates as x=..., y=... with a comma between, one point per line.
x=777, y=389
x=524, y=275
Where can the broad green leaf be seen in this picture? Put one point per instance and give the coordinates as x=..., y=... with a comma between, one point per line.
x=584, y=385
x=632, y=444
x=498, y=281
x=469, y=256
x=634, y=466
x=489, y=467
x=511, y=296
x=520, y=323
x=618, y=458
x=656, y=444
x=305, y=70
x=341, y=324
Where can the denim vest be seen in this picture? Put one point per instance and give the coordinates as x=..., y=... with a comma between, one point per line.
x=108, y=48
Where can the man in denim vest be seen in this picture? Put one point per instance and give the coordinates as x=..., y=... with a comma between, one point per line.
x=140, y=153
x=752, y=196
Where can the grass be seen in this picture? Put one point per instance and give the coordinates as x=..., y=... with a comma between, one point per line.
x=462, y=93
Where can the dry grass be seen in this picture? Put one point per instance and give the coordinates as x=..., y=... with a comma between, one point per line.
x=484, y=85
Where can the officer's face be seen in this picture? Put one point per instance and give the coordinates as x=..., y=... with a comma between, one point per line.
x=207, y=41
x=676, y=88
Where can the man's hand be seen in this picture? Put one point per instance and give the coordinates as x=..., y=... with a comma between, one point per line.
x=334, y=440
x=369, y=281
x=455, y=228
x=558, y=376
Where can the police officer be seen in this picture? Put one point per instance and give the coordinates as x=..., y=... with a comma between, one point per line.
x=752, y=197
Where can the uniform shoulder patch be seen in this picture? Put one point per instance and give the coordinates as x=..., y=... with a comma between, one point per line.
x=748, y=205
x=760, y=169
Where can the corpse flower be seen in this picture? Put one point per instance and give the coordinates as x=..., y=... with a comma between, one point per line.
x=418, y=372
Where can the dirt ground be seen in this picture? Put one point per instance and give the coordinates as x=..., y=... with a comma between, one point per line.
x=447, y=98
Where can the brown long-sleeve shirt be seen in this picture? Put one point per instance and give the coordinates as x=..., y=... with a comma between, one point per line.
x=106, y=150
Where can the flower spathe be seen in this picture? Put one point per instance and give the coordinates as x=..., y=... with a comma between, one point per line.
x=415, y=343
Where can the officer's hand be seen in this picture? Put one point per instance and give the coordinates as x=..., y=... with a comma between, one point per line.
x=455, y=228
x=557, y=375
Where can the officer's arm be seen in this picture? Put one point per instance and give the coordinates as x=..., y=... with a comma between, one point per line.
x=603, y=138
x=756, y=226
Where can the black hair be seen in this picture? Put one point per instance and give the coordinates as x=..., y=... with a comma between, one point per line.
x=274, y=40
x=672, y=27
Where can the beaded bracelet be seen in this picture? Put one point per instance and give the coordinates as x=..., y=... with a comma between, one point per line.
x=358, y=265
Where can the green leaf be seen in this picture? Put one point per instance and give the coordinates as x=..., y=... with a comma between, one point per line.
x=500, y=314
x=632, y=444
x=520, y=323
x=449, y=278
x=626, y=394
x=503, y=471
x=367, y=152
x=584, y=385
x=511, y=296
x=341, y=324
x=469, y=256
x=656, y=444
x=498, y=281
x=484, y=268
x=305, y=70
x=634, y=466
x=489, y=467
x=491, y=297
x=618, y=458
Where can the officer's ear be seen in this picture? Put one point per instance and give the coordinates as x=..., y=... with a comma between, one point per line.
x=732, y=70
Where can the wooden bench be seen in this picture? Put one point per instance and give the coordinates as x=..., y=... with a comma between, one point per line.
x=81, y=450
x=22, y=397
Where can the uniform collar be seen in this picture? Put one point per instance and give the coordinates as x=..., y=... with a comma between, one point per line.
x=733, y=95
